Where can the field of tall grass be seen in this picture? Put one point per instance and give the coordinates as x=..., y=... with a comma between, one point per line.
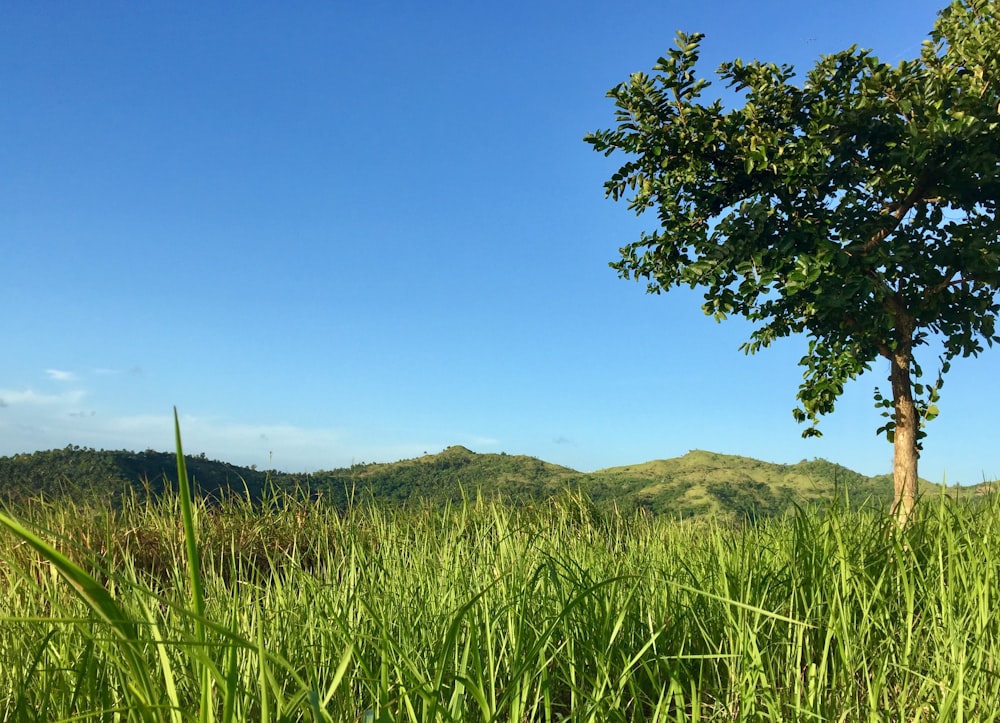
x=167, y=610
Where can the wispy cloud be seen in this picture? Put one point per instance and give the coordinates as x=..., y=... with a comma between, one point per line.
x=60, y=375
x=283, y=446
x=29, y=397
x=563, y=440
x=32, y=420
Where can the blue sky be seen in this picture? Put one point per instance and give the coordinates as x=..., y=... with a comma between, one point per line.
x=335, y=232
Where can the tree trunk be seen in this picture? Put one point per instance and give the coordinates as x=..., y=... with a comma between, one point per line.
x=905, y=453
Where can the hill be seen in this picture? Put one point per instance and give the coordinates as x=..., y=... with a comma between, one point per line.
x=698, y=483
x=85, y=472
x=448, y=477
x=703, y=482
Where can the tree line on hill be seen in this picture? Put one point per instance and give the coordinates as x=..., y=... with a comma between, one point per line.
x=699, y=483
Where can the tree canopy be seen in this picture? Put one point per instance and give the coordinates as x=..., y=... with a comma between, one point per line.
x=856, y=205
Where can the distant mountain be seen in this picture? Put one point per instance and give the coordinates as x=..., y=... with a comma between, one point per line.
x=698, y=483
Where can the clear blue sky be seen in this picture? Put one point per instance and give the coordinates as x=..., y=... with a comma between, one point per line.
x=333, y=232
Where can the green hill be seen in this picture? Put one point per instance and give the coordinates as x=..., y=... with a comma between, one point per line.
x=448, y=477
x=90, y=473
x=698, y=483
x=709, y=483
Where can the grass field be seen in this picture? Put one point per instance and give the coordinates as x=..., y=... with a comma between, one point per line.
x=167, y=610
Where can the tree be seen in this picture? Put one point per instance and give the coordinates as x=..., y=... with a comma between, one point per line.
x=858, y=208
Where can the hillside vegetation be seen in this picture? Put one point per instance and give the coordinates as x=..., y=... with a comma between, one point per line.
x=549, y=610
x=698, y=483
x=487, y=612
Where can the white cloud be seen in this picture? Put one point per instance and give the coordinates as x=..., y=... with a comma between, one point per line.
x=29, y=397
x=30, y=421
x=282, y=446
x=60, y=375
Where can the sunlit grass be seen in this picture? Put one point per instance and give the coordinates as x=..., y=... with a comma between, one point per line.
x=178, y=610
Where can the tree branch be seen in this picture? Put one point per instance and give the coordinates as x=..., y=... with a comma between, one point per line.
x=949, y=280
x=899, y=210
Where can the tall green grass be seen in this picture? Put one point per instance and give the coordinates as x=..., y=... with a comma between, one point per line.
x=178, y=610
